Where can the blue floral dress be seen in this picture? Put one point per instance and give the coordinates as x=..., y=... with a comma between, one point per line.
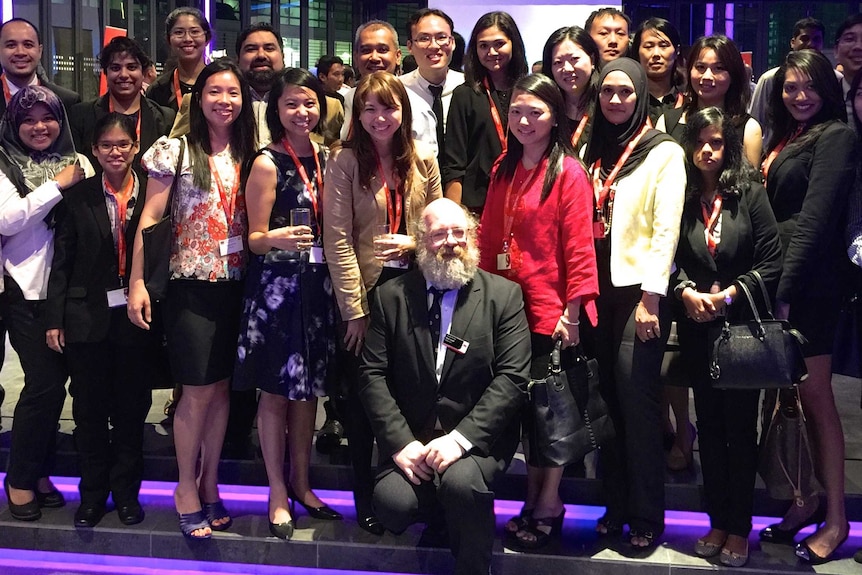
x=287, y=335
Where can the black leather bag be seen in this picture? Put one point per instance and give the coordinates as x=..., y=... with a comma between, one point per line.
x=757, y=353
x=157, y=241
x=567, y=416
x=785, y=462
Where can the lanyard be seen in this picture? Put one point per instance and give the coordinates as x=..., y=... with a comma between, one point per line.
x=234, y=192
x=122, y=198
x=140, y=111
x=177, y=91
x=7, y=93
x=767, y=163
x=710, y=221
x=510, y=204
x=305, y=179
x=581, y=125
x=604, y=191
x=394, y=215
x=495, y=116
x=679, y=100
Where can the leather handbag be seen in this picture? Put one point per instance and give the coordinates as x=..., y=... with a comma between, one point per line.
x=757, y=353
x=567, y=417
x=785, y=461
x=157, y=241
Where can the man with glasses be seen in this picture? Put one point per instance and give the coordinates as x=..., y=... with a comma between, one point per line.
x=430, y=41
x=375, y=49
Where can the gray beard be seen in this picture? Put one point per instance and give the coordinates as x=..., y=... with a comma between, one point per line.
x=452, y=272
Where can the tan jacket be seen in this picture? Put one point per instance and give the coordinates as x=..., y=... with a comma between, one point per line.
x=350, y=214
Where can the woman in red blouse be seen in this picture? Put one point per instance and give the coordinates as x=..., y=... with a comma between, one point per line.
x=537, y=231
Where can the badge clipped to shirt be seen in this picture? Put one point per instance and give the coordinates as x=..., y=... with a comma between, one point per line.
x=456, y=344
x=400, y=264
x=118, y=297
x=229, y=246
x=315, y=255
x=599, y=229
x=504, y=261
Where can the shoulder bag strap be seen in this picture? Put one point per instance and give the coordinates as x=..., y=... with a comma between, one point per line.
x=169, y=204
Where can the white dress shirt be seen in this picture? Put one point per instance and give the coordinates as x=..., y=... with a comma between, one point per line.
x=416, y=82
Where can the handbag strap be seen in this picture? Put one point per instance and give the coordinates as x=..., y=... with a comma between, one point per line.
x=169, y=204
x=555, y=363
x=803, y=439
x=758, y=279
x=753, y=305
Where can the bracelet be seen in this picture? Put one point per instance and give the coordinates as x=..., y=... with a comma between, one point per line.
x=566, y=321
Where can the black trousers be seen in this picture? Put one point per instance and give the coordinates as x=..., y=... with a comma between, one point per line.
x=727, y=428
x=111, y=395
x=464, y=496
x=630, y=371
x=37, y=412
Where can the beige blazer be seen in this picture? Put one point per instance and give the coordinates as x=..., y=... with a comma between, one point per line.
x=350, y=214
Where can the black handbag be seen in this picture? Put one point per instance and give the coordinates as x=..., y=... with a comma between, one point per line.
x=567, y=416
x=785, y=461
x=157, y=241
x=757, y=353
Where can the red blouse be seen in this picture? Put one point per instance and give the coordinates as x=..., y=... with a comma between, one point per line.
x=551, y=244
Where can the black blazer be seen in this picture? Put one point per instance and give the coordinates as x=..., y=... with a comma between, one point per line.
x=749, y=241
x=68, y=97
x=809, y=188
x=85, y=266
x=156, y=121
x=480, y=392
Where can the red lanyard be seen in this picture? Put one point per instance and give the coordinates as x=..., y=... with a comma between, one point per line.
x=177, y=91
x=394, y=215
x=679, y=100
x=138, y=127
x=7, y=93
x=495, y=115
x=510, y=204
x=604, y=191
x=581, y=125
x=710, y=221
x=767, y=163
x=305, y=179
x=234, y=192
x=122, y=198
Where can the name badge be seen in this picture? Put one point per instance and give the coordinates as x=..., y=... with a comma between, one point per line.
x=118, y=297
x=401, y=264
x=599, y=230
x=315, y=255
x=230, y=246
x=456, y=344
x=504, y=261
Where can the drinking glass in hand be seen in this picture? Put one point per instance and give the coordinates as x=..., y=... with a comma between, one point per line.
x=381, y=234
x=301, y=217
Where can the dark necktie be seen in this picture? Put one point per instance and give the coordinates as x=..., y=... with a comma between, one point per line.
x=434, y=313
x=437, y=108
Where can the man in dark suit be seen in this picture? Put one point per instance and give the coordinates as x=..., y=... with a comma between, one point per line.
x=444, y=373
x=20, y=53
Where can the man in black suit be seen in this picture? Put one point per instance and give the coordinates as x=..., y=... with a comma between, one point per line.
x=444, y=373
x=20, y=54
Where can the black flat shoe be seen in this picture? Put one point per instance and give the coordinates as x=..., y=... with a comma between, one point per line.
x=371, y=524
x=130, y=513
x=283, y=531
x=26, y=512
x=323, y=512
x=775, y=534
x=804, y=552
x=89, y=515
x=51, y=500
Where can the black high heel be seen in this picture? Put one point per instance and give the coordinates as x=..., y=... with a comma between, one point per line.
x=323, y=512
x=540, y=537
x=775, y=534
x=25, y=512
x=284, y=531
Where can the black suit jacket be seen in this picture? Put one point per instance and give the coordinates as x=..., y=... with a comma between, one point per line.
x=156, y=121
x=809, y=188
x=480, y=392
x=85, y=266
x=68, y=97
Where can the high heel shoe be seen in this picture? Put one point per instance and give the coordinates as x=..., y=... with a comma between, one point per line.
x=804, y=552
x=540, y=538
x=323, y=512
x=25, y=512
x=283, y=531
x=775, y=534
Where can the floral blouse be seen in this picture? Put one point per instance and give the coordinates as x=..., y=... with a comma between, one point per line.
x=199, y=218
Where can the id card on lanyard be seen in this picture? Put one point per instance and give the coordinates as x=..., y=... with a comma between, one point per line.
x=495, y=116
x=315, y=255
x=119, y=296
x=393, y=214
x=232, y=244
x=510, y=210
x=605, y=191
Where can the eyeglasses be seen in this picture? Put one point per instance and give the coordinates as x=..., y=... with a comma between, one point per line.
x=439, y=236
x=194, y=33
x=424, y=40
x=107, y=148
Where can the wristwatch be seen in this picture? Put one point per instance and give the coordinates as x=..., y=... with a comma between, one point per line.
x=727, y=299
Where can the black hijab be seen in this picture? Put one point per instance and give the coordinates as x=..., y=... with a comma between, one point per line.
x=607, y=140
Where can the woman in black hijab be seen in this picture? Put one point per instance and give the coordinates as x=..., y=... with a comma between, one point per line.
x=638, y=177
